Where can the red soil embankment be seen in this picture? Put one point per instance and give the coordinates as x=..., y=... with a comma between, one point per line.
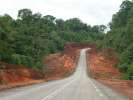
x=63, y=64
x=56, y=66
x=102, y=67
x=15, y=75
x=102, y=64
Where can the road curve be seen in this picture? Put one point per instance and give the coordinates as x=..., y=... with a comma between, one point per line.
x=77, y=87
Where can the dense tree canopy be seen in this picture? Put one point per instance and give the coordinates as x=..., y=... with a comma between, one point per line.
x=120, y=37
x=32, y=36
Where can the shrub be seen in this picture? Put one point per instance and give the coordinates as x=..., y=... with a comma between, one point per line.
x=130, y=71
x=5, y=57
x=125, y=76
x=16, y=59
x=123, y=67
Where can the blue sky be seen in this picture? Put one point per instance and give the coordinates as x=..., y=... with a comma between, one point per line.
x=89, y=11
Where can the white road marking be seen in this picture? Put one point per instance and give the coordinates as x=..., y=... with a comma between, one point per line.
x=97, y=89
x=58, y=90
x=100, y=94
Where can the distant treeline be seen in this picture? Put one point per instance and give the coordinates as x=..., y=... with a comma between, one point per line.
x=120, y=37
x=30, y=37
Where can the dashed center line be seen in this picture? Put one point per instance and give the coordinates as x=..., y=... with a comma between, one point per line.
x=97, y=89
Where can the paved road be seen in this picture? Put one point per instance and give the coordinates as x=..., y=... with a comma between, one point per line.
x=77, y=87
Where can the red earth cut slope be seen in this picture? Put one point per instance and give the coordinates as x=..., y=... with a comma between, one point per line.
x=17, y=75
x=55, y=66
x=102, y=67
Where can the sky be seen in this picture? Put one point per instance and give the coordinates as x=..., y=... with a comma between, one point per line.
x=93, y=12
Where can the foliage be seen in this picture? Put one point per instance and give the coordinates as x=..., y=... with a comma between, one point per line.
x=120, y=37
x=32, y=36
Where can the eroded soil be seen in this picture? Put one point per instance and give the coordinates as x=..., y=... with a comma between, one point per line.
x=56, y=66
x=102, y=67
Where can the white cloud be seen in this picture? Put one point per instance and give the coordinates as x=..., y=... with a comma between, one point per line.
x=89, y=11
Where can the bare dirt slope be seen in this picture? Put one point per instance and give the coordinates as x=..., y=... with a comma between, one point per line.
x=17, y=75
x=102, y=67
x=62, y=64
x=56, y=66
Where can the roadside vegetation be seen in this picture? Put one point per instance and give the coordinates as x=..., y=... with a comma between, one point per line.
x=120, y=38
x=30, y=37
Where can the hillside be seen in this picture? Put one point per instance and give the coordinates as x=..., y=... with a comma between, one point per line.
x=30, y=37
x=12, y=75
x=35, y=48
x=55, y=66
x=102, y=67
x=120, y=38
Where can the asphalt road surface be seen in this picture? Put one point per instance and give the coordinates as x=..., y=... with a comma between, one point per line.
x=76, y=87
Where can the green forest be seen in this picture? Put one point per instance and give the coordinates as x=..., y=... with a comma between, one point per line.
x=120, y=37
x=32, y=36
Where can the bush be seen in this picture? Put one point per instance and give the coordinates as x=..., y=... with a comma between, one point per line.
x=130, y=71
x=27, y=61
x=128, y=75
x=16, y=59
x=123, y=67
x=38, y=65
x=5, y=57
x=23, y=60
x=125, y=76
